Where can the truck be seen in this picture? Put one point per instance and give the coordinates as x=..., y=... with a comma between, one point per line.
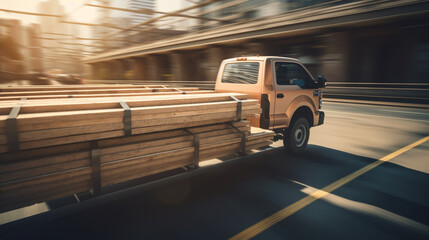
x=290, y=97
x=55, y=145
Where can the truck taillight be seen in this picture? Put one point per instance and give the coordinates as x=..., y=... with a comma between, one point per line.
x=241, y=59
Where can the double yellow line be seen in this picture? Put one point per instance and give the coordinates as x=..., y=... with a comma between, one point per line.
x=293, y=208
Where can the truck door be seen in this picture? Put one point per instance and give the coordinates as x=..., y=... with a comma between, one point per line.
x=290, y=81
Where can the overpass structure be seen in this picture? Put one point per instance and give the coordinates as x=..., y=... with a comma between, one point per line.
x=355, y=41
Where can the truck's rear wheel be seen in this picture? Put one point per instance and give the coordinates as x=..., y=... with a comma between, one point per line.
x=296, y=137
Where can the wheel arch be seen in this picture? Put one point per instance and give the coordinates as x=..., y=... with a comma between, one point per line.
x=303, y=111
x=301, y=106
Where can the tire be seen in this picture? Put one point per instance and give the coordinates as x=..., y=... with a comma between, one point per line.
x=296, y=137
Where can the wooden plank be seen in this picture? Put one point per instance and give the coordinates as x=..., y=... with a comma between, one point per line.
x=70, y=139
x=36, y=162
x=47, y=189
x=154, y=147
x=61, y=132
x=99, y=103
x=43, y=170
x=144, y=166
x=106, y=103
x=169, y=123
x=153, y=105
x=127, y=169
x=85, y=91
x=231, y=142
x=64, y=191
x=72, y=87
x=119, y=156
x=162, y=96
x=156, y=167
x=166, y=124
x=105, y=126
x=70, y=124
x=207, y=127
x=64, y=124
x=43, y=152
x=42, y=183
x=150, y=147
x=86, y=97
x=69, y=92
x=185, y=125
x=116, y=166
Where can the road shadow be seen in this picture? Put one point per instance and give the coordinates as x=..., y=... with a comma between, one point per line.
x=223, y=200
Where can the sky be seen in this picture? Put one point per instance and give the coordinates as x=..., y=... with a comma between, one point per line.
x=83, y=14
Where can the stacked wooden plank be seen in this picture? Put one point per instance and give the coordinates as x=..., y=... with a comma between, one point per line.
x=26, y=88
x=36, y=175
x=68, y=146
x=32, y=92
x=41, y=124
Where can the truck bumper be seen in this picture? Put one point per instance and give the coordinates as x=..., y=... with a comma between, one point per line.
x=321, y=118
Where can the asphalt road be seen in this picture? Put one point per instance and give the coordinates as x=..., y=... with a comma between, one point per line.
x=389, y=200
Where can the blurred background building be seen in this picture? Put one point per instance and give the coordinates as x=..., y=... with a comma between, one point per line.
x=380, y=41
x=20, y=48
x=57, y=39
x=346, y=40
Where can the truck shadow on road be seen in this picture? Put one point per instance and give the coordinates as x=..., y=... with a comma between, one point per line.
x=388, y=202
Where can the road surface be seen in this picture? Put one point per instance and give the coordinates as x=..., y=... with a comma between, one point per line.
x=337, y=189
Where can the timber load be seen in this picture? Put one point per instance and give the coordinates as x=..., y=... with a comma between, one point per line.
x=55, y=148
x=45, y=92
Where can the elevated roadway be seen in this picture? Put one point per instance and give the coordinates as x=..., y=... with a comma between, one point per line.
x=345, y=42
x=314, y=20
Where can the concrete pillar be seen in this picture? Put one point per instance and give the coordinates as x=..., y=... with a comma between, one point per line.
x=107, y=70
x=92, y=74
x=154, y=65
x=215, y=55
x=97, y=71
x=259, y=48
x=118, y=70
x=139, y=68
x=181, y=66
x=335, y=60
x=125, y=68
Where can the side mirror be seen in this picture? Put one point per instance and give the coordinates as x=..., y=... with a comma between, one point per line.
x=321, y=81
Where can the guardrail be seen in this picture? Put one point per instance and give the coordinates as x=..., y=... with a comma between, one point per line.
x=386, y=92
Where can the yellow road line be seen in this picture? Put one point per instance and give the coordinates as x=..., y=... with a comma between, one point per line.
x=293, y=208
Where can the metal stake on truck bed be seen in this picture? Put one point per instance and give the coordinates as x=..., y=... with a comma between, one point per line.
x=196, y=160
x=12, y=127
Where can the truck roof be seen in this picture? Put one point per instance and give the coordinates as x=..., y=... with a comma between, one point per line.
x=259, y=58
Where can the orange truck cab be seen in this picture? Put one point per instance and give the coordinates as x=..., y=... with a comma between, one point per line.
x=290, y=97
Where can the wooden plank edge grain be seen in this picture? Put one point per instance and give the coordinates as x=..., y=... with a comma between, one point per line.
x=18, y=165
x=106, y=126
x=168, y=124
x=43, y=170
x=43, y=183
x=63, y=191
x=91, y=97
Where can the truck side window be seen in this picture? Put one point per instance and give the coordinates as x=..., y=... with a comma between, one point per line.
x=292, y=74
x=241, y=73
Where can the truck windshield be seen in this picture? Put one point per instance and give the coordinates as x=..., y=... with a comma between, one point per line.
x=241, y=73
